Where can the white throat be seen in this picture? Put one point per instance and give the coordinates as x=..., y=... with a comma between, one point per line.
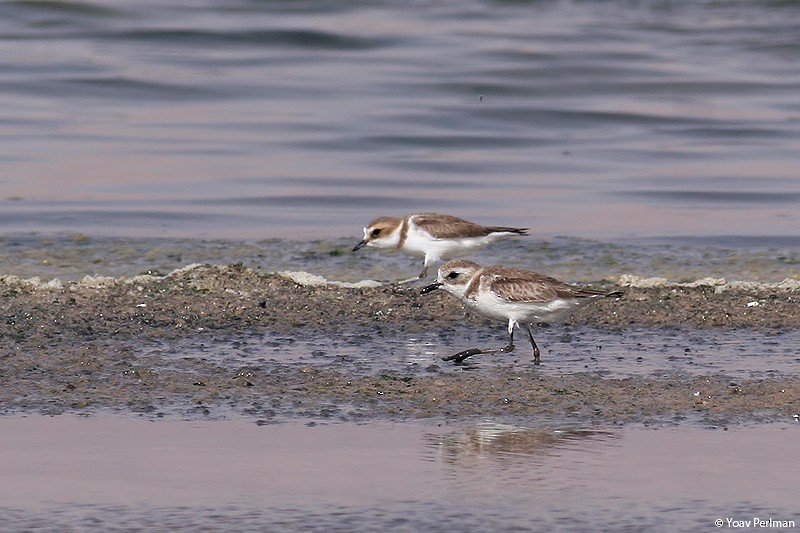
x=385, y=240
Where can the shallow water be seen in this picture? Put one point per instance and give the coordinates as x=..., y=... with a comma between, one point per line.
x=123, y=474
x=565, y=350
x=243, y=119
x=71, y=257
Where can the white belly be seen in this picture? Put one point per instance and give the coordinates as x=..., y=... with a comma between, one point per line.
x=557, y=310
x=420, y=244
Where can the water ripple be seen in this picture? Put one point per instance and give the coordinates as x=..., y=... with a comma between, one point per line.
x=299, y=38
x=525, y=113
x=718, y=197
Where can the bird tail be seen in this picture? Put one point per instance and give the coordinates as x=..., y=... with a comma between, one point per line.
x=504, y=229
x=593, y=293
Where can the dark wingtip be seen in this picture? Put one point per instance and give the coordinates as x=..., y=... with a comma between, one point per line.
x=504, y=229
x=615, y=294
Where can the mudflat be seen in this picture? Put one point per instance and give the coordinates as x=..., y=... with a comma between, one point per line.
x=83, y=346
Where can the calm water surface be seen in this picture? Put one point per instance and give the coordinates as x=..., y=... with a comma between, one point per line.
x=264, y=119
x=118, y=474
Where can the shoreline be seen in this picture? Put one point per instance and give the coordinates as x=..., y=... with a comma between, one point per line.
x=78, y=347
x=234, y=296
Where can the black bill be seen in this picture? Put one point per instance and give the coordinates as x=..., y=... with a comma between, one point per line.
x=428, y=288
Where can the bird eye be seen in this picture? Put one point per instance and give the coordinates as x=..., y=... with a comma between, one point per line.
x=452, y=275
x=376, y=232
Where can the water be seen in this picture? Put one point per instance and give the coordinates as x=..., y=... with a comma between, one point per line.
x=636, y=352
x=71, y=257
x=118, y=474
x=302, y=120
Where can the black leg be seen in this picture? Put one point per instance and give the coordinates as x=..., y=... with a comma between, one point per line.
x=536, y=352
x=460, y=356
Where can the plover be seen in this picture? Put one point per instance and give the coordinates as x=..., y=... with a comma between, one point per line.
x=433, y=236
x=522, y=297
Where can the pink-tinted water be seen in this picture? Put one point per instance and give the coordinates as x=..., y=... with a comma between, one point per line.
x=128, y=473
x=268, y=120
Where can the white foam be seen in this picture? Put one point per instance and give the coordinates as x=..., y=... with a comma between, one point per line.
x=54, y=284
x=629, y=280
x=789, y=284
x=707, y=282
x=14, y=280
x=719, y=284
x=313, y=280
x=97, y=282
x=102, y=282
x=188, y=268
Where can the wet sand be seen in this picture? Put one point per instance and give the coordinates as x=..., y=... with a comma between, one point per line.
x=82, y=347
